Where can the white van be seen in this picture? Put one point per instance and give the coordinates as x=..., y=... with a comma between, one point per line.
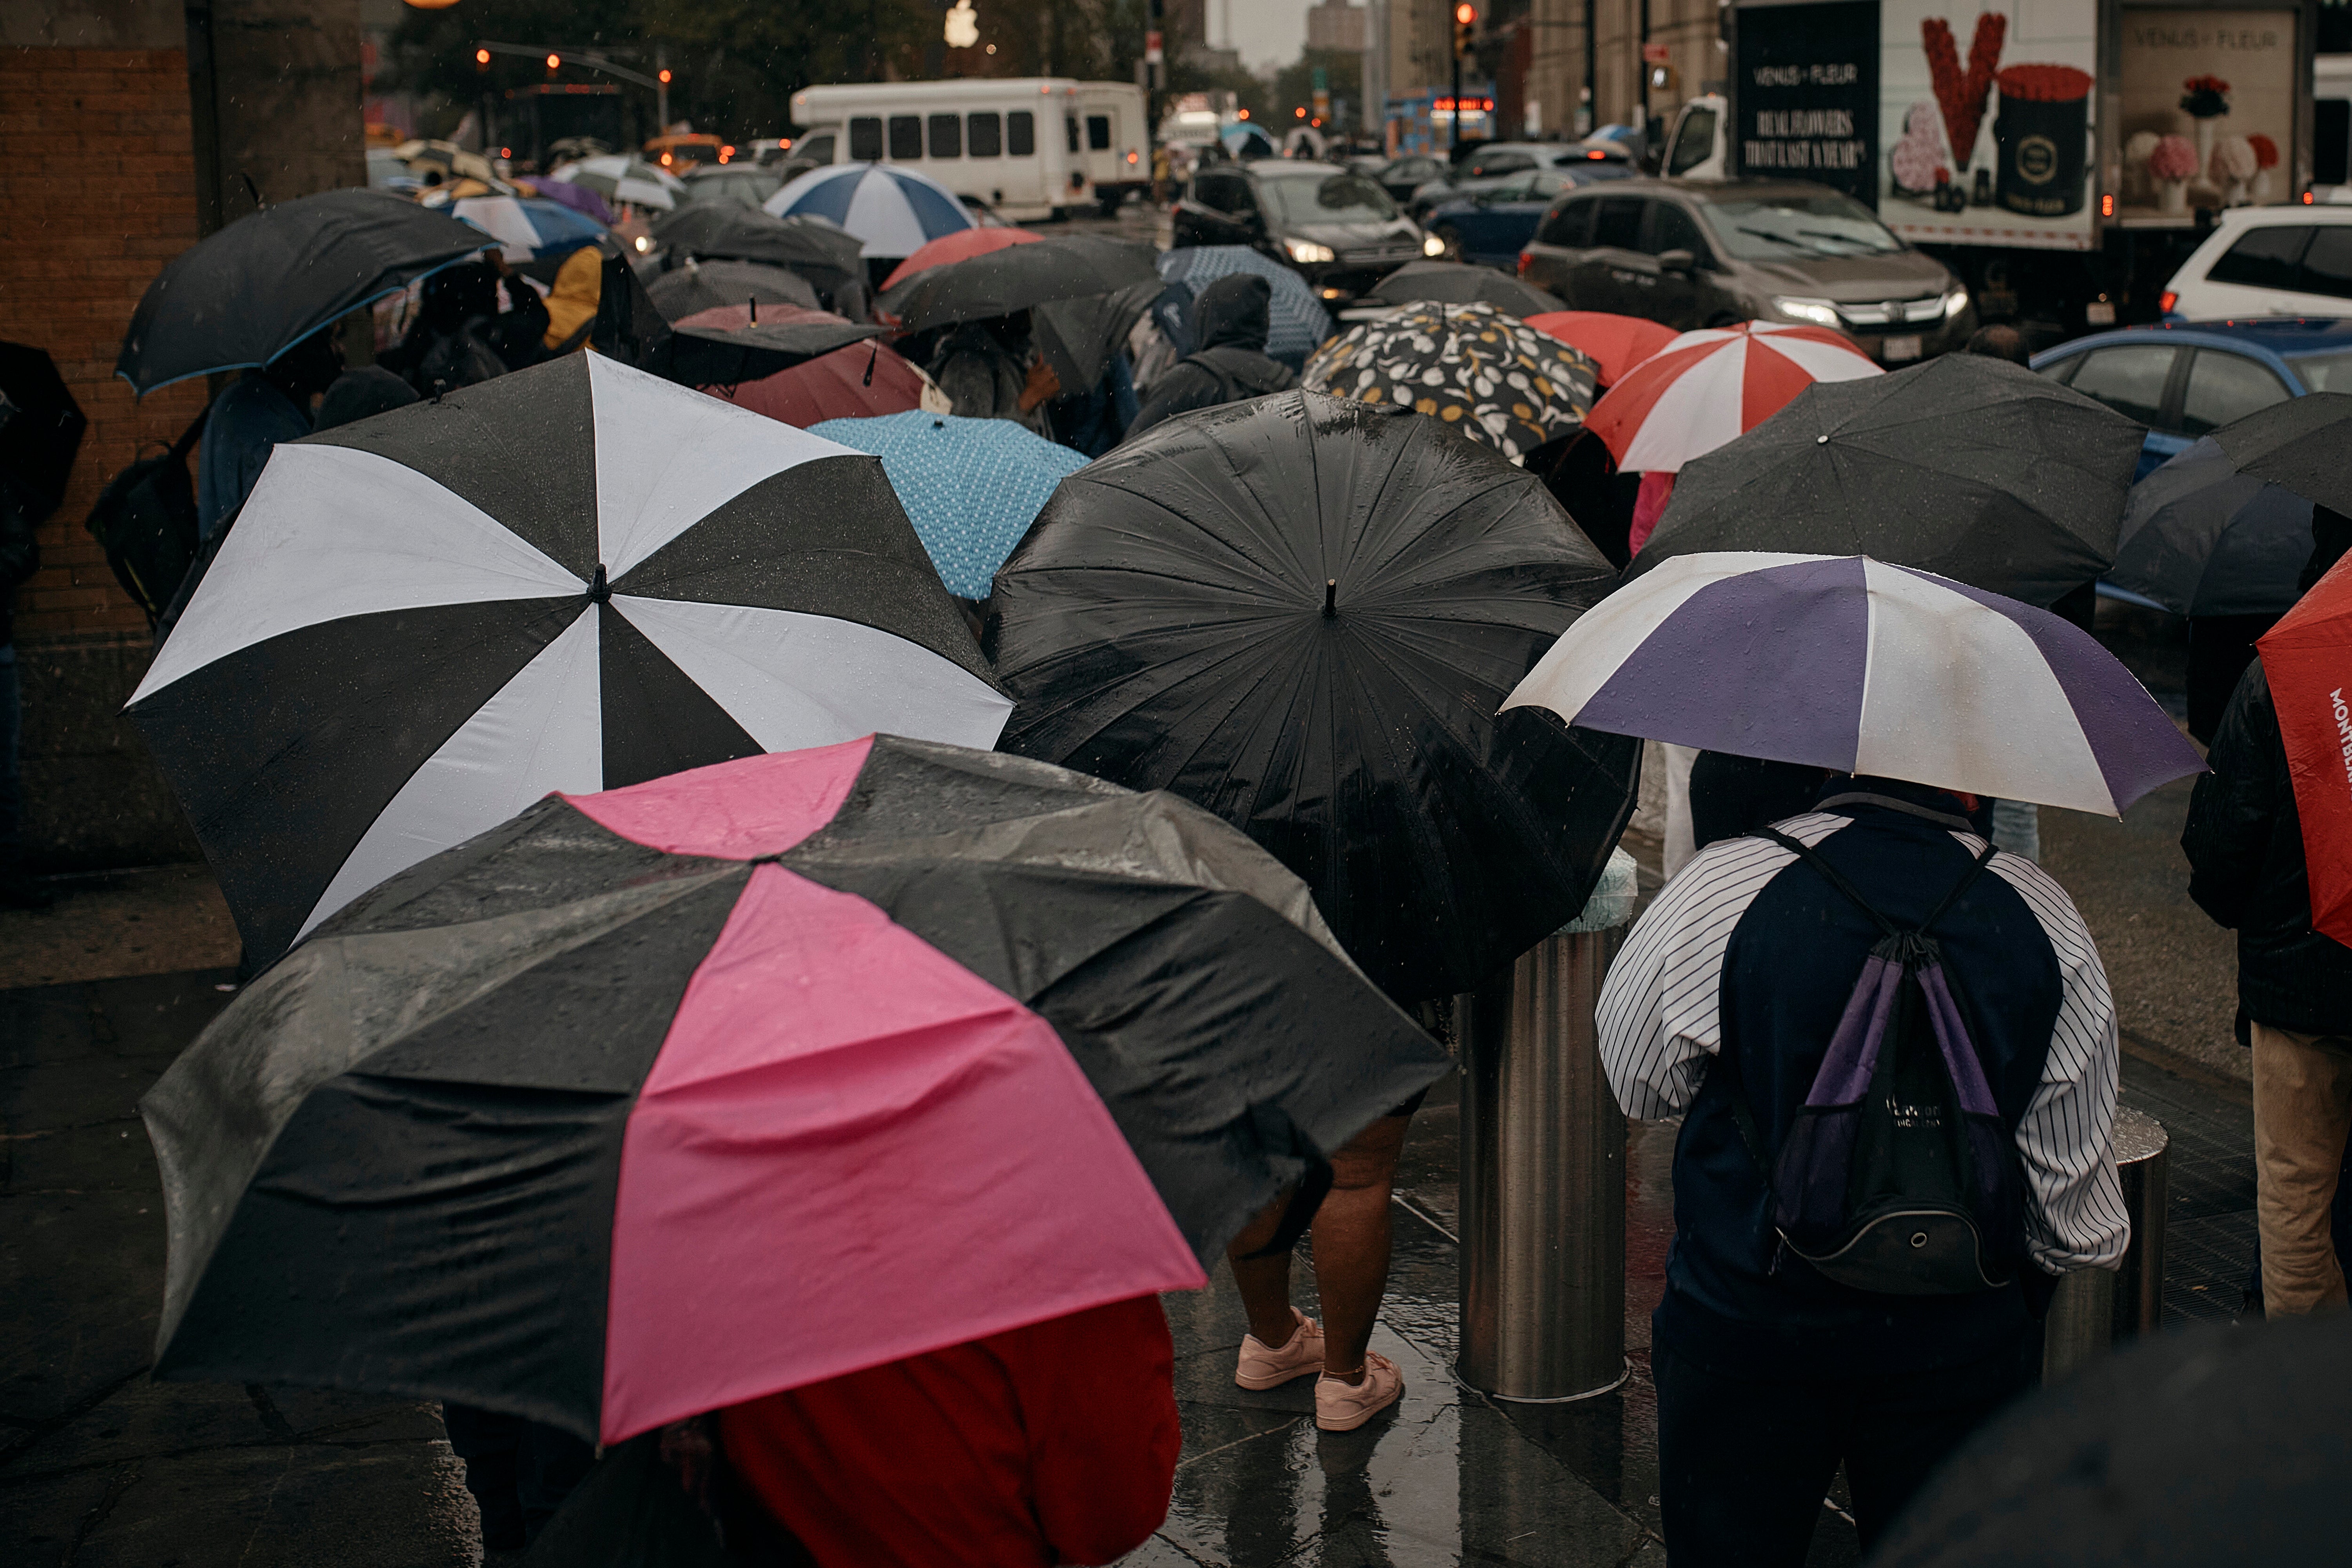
x=1117, y=149
x=2266, y=261
x=1015, y=143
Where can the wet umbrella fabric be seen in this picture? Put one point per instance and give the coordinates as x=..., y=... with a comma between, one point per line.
x=1300, y=323
x=1709, y=387
x=1967, y=466
x=1458, y=283
x=1491, y=375
x=41, y=426
x=1018, y=277
x=579, y=198
x=957, y=247
x=734, y=343
x=620, y=177
x=1616, y=344
x=2202, y=539
x=575, y=576
x=2307, y=659
x=246, y=294
x=711, y=285
x=1302, y=612
x=659, y=1100
x=729, y=231
x=1853, y=665
x=893, y=211
x=863, y=381
x=528, y=228
x=971, y=487
x=2298, y=443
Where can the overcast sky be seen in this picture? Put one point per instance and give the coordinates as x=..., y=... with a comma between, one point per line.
x=1267, y=32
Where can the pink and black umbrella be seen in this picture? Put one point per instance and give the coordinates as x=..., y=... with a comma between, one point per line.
x=659, y=1100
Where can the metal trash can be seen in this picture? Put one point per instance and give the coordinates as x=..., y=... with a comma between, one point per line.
x=1543, y=1168
x=2095, y=1309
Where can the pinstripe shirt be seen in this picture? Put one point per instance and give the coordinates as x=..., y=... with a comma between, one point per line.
x=1659, y=1022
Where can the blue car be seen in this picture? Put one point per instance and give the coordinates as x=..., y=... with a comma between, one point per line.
x=2189, y=379
x=1489, y=222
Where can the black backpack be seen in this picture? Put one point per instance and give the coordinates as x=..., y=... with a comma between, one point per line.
x=145, y=521
x=1897, y=1175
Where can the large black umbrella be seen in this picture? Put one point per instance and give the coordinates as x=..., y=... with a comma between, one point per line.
x=249, y=293
x=695, y=288
x=1458, y=283
x=571, y=577
x=1304, y=613
x=1000, y=282
x=1966, y=465
x=2222, y=1444
x=737, y=344
x=728, y=231
x=40, y=427
x=2202, y=539
x=2300, y=444
x=656, y=1100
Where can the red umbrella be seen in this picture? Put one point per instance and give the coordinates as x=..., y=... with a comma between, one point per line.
x=961, y=245
x=1709, y=387
x=854, y=383
x=2307, y=659
x=1616, y=343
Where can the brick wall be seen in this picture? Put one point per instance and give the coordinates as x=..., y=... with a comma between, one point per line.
x=98, y=177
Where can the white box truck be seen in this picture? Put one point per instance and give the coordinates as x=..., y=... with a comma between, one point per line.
x=1016, y=142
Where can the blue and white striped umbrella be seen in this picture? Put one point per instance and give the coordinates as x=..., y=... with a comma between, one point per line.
x=1300, y=323
x=971, y=487
x=893, y=211
x=1849, y=663
x=528, y=227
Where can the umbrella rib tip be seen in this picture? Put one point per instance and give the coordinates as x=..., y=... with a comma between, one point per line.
x=1330, y=598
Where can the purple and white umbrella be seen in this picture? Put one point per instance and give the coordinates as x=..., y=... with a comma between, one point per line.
x=1847, y=663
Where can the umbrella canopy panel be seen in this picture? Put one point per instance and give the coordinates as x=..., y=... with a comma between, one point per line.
x=2298, y=443
x=1859, y=667
x=2307, y=658
x=729, y=231
x=249, y=293
x=622, y=177
x=1616, y=344
x=528, y=229
x=571, y=577
x=1707, y=387
x=893, y=211
x=655, y=1100
x=1491, y=375
x=1967, y=466
x=1458, y=283
x=957, y=247
x=1015, y=277
x=731, y=343
x=1299, y=321
x=691, y=289
x=863, y=381
x=971, y=487
x=1303, y=612
x=2202, y=539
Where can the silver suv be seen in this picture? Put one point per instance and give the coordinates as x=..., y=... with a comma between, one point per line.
x=1698, y=254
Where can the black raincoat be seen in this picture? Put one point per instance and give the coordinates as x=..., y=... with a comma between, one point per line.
x=1230, y=321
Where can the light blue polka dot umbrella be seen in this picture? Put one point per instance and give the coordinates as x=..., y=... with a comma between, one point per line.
x=971, y=487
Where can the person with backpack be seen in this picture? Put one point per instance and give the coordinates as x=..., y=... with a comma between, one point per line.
x=1894, y=1054
x=259, y=409
x=1230, y=321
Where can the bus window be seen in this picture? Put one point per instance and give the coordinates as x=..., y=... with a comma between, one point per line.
x=906, y=138
x=865, y=141
x=1070, y=129
x=1021, y=134
x=947, y=135
x=986, y=132
x=1098, y=132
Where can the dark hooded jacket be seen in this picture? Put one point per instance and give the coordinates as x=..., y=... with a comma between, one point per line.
x=1230, y=321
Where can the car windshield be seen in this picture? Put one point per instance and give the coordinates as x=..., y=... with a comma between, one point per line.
x=2324, y=373
x=1335, y=198
x=1773, y=228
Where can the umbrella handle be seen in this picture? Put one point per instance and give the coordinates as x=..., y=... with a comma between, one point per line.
x=1330, y=598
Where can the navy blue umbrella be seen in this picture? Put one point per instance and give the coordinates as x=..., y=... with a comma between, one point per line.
x=2202, y=539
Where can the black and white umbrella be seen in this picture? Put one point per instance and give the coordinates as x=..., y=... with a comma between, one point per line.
x=573, y=577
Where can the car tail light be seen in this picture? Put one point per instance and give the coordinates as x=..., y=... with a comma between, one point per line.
x=2166, y=301
x=2306, y=198
x=1524, y=260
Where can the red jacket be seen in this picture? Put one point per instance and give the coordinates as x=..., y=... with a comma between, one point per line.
x=1042, y=1446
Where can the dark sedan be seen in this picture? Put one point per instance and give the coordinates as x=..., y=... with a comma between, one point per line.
x=1489, y=222
x=1338, y=230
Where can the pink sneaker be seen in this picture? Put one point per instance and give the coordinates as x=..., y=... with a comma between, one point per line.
x=1269, y=1366
x=1342, y=1406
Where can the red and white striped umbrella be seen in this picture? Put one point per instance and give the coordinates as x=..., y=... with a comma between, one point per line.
x=1707, y=387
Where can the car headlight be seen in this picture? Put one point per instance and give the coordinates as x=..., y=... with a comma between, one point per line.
x=1304, y=250
x=644, y=245
x=1819, y=312
x=1431, y=246
x=1955, y=301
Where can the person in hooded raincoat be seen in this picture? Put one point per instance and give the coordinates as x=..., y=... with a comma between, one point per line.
x=1230, y=321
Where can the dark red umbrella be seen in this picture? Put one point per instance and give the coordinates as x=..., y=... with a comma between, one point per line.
x=853, y=383
x=957, y=247
x=2307, y=659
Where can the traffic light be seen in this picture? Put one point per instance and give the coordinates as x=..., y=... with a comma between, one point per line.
x=481, y=59
x=1465, y=29
x=664, y=76
x=554, y=62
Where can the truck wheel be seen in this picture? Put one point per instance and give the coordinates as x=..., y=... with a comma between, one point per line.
x=1108, y=205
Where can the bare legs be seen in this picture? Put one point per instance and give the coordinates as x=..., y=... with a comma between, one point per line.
x=1351, y=1253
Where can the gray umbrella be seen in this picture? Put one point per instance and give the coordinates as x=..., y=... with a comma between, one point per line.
x=2202, y=539
x=1458, y=283
x=1968, y=467
x=696, y=287
x=2300, y=444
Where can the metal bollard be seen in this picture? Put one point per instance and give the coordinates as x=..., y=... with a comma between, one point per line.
x=2096, y=1308
x=1543, y=1169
